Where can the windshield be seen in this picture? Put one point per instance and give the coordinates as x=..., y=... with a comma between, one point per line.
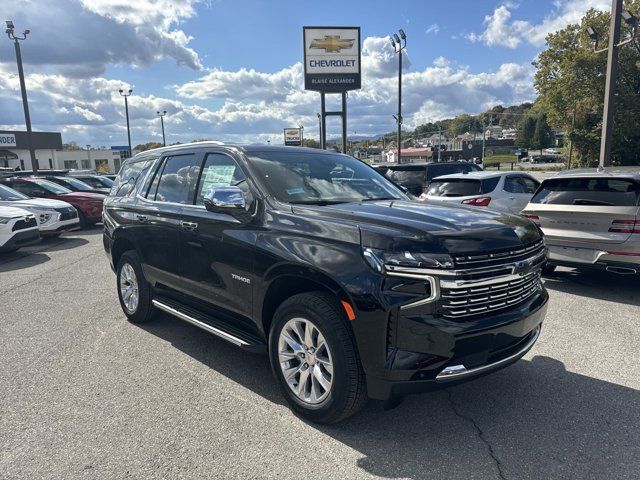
x=97, y=182
x=75, y=183
x=617, y=192
x=321, y=178
x=10, y=194
x=50, y=187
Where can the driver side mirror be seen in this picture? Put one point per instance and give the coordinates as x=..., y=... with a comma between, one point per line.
x=225, y=200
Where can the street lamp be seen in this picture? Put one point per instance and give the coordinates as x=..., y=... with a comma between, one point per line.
x=320, y=128
x=126, y=110
x=399, y=44
x=617, y=15
x=161, y=115
x=23, y=88
x=88, y=156
x=301, y=127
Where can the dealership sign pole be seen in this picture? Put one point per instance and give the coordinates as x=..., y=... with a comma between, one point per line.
x=332, y=65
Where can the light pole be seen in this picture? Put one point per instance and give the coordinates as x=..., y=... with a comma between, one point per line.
x=161, y=115
x=126, y=110
x=89, y=155
x=301, y=135
x=320, y=129
x=399, y=44
x=617, y=15
x=23, y=88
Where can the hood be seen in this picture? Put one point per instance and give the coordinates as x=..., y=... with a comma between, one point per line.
x=98, y=197
x=432, y=227
x=13, y=212
x=37, y=203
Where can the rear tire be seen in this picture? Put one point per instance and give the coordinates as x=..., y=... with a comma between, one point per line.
x=82, y=220
x=333, y=382
x=134, y=292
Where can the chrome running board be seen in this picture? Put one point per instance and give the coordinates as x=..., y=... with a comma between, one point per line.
x=457, y=372
x=194, y=321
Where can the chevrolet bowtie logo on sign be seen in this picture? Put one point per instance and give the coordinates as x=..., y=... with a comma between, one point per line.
x=331, y=58
x=332, y=43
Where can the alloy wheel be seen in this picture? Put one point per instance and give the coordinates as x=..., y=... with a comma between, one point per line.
x=129, y=291
x=305, y=360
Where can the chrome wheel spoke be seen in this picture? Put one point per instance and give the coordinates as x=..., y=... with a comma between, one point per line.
x=129, y=288
x=305, y=360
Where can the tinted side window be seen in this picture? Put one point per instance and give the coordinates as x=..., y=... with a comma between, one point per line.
x=512, y=184
x=406, y=176
x=178, y=178
x=127, y=179
x=530, y=185
x=219, y=170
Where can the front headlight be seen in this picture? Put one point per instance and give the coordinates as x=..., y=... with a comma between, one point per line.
x=382, y=261
x=4, y=220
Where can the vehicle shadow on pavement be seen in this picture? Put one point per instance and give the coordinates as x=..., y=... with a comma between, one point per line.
x=532, y=420
x=596, y=284
x=10, y=262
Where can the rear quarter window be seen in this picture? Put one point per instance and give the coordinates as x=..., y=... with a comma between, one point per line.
x=588, y=191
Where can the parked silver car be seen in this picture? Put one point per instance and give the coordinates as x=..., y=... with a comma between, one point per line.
x=590, y=218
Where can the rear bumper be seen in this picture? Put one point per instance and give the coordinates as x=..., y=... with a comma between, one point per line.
x=617, y=256
x=464, y=352
x=21, y=239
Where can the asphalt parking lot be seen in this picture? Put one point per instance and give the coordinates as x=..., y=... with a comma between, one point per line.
x=85, y=394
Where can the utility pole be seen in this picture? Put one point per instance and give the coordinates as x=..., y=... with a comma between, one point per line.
x=126, y=110
x=89, y=156
x=23, y=89
x=161, y=115
x=439, y=142
x=399, y=44
x=610, y=85
x=301, y=135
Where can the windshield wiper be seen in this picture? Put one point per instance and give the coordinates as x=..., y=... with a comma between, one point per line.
x=586, y=201
x=381, y=198
x=321, y=203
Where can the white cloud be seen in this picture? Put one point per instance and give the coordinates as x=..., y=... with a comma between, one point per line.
x=433, y=28
x=501, y=30
x=248, y=106
x=81, y=37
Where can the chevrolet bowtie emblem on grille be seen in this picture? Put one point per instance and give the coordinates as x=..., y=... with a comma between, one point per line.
x=331, y=43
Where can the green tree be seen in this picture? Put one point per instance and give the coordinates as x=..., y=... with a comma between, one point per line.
x=542, y=135
x=526, y=130
x=310, y=142
x=147, y=146
x=570, y=78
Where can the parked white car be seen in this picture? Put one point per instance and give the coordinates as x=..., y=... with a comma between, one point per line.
x=501, y=191
x=18, y=228
x=590, y=219
x=53, y=216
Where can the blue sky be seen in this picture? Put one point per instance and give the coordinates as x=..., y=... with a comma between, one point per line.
x=232, y=69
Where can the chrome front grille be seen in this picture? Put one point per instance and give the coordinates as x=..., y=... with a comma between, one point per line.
x=499, y=257
x=492, y=296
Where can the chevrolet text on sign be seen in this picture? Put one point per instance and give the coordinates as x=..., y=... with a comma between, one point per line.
x=331, y=58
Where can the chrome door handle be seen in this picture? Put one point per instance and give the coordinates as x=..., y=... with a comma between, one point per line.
x=191, y=226
x=142, y=218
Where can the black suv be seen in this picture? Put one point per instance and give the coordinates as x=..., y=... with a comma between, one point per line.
x=354, y=290
x=416, y=177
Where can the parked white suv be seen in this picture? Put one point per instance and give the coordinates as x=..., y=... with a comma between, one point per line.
x=502, y=191
x=18, y=228
x=53, y=216
x=590, y=218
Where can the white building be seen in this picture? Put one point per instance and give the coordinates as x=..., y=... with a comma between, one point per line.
x=14, y=153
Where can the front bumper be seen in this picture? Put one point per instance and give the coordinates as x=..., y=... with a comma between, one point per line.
x=21, y=239
x=60, y=227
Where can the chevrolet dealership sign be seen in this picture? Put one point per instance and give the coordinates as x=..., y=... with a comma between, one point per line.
x=292, y=137
x=7, y=140
x=331, y=59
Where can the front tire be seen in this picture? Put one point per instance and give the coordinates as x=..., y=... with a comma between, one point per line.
x=134, y=292
x=314, y=358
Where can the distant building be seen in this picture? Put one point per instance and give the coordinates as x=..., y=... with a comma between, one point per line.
x=410, y=155
x=494, y=131
x=14, y=153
